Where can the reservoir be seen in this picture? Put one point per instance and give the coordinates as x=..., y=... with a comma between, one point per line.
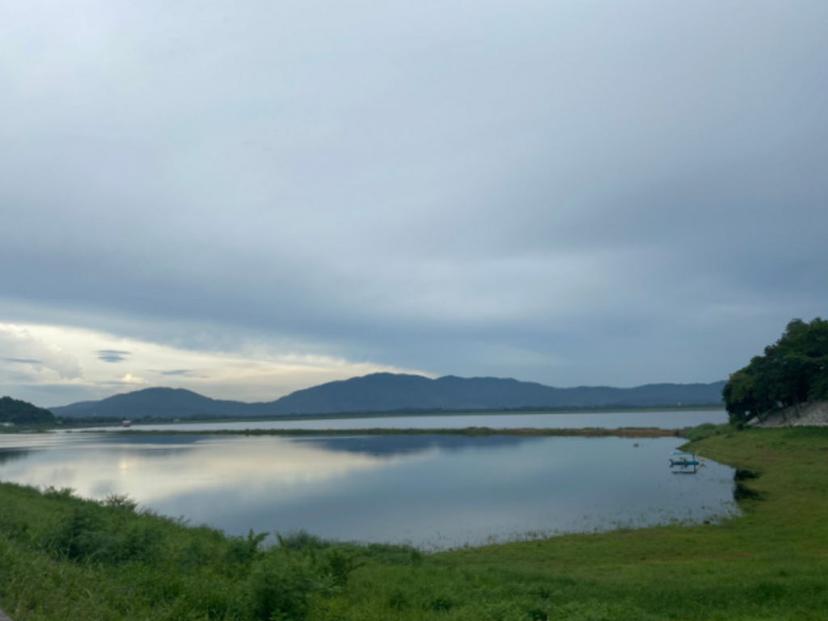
x=431, y=491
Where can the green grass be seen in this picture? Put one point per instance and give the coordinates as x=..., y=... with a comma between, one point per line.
x=63, y=559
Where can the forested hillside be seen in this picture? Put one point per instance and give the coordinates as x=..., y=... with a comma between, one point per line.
x=793, y=370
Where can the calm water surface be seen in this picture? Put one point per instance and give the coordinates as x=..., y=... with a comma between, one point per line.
x=431, y=491
x=668, y=419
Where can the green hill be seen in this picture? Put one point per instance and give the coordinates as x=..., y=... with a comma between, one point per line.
x=23, y=413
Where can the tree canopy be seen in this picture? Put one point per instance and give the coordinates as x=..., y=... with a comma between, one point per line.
x=792, y=370
x=23, y=413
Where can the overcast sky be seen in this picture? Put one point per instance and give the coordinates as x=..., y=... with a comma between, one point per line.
x=248, y=198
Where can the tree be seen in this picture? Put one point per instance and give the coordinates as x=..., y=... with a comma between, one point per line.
x=739, y=395
x=792, y=370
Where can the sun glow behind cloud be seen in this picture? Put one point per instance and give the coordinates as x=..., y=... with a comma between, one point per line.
x=38, y=360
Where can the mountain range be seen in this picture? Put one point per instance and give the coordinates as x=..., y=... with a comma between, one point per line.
x=389, y=392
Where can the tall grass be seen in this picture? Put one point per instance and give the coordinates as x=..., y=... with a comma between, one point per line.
x=66, y=558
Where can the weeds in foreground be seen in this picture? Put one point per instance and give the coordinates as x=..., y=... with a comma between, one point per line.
x=154, y=562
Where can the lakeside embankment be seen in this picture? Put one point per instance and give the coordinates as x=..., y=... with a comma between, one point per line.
x=64, y=558
x=811, y=414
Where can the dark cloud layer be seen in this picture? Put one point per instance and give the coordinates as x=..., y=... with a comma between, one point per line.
x=572, y=193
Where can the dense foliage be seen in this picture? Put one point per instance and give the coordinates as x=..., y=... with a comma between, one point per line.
x=23, y=413
x=129, y=563
x=791, y=371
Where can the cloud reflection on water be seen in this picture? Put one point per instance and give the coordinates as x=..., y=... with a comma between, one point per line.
x=432, y=491
x=150, y=472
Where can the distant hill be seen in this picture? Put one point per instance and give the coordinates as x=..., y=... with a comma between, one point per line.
x=23, y=413
x=158, y=403
x=388, y=392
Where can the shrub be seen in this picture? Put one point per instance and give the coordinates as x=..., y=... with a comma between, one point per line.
x=121, y=502
x=243, y=550
x=300, y=540
x=338, y=564
x=280, y=587
x=90, y=534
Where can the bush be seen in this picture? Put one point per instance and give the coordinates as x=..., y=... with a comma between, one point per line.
x=338, y=564
x=120, y=502
x=301, y=540
x=91, y=534
x=243, y=550
x=280, y=587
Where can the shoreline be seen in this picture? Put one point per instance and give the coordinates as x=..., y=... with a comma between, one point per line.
x=591, y=432
x=79, y=423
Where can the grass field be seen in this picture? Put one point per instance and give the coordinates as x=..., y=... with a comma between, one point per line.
x=62, y=558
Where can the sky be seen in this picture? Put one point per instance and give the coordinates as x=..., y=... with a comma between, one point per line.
x=248, y=198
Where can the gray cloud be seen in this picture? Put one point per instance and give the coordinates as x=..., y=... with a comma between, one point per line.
x=571, y=193
x=113, y=355
x=24, y=360
x=51, y=395
x=31, y=358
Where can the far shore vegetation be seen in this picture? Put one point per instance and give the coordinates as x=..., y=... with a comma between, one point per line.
x=590, y=432
x=44, y=420
x=103, y=421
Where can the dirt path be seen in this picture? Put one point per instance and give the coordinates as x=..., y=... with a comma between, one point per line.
x=3, y=616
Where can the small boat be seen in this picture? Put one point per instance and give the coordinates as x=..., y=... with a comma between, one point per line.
x=126, y=423
x=684, y=462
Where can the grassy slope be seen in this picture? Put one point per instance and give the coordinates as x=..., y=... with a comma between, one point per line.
x=771, y=563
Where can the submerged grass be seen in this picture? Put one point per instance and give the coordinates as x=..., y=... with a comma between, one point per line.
x=62, y=558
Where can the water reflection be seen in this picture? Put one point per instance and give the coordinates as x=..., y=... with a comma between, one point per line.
x=432, y=491
x=12, y=453
x=154, y=469
x=379, y=445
